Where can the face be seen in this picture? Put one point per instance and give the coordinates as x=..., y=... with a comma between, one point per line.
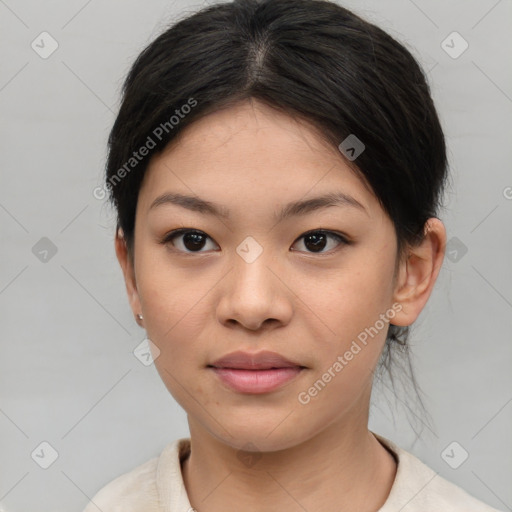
x=236, y=268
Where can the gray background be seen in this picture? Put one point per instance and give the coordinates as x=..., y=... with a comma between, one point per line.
x=68, y=375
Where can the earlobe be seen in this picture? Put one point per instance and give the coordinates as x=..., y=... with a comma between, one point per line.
x=127, y=267
x=418, y=273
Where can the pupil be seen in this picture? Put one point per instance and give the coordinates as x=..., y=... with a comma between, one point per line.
x=316, y=242
x=193, y=238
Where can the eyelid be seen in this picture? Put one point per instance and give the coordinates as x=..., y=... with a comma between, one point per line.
x=338, y=234
x=180, y=231
x=342, y=238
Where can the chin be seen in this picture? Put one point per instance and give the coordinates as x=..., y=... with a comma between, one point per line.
x=257, y=441
x=258, y=433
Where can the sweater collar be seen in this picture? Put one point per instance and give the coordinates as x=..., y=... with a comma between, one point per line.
x=173, y=495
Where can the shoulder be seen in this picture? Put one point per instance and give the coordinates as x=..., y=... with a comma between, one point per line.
x=134, y=491
x=130, y=492
x=418, y=488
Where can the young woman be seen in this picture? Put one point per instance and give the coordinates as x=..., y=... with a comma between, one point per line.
x=277, y=168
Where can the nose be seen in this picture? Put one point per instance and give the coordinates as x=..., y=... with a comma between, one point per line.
x=253, y=296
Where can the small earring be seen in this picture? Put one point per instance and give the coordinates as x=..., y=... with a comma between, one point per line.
x=140, y=317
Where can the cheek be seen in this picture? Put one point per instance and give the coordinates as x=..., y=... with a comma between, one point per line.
x=174, y=318
x=358, y=315
x=359, y=293
x=174, y=306
x=167, y=292
x=358, y=312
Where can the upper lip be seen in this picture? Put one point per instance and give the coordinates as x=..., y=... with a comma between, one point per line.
x=254, y=361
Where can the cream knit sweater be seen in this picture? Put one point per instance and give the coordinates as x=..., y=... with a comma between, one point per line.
x=157, y=486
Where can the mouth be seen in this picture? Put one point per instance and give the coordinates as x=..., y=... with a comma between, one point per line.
x=255, y=373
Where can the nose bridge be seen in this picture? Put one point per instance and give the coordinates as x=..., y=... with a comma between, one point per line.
x=253, y=293
x=252, y=275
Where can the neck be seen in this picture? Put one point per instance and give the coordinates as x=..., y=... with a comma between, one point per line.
x=344, y=467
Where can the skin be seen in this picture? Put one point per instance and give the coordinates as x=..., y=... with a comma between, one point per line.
x=308, y=306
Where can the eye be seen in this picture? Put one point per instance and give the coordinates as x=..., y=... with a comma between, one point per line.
x=188, y=240
x=316, y=241
x=192, y=240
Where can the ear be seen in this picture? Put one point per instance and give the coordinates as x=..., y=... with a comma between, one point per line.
x=127, y=267
x=418, y=273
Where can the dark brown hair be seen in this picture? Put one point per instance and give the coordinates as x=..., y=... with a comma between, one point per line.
x=308, y=58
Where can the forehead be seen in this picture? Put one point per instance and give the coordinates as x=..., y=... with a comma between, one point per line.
x=250, y=127
x=251, y=153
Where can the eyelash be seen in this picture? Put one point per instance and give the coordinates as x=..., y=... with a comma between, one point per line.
x=175, y=233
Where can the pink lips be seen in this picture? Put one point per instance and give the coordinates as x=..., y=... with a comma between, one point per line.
x=260, y=372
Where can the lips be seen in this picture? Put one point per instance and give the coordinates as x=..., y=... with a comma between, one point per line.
x=255, y=373
x=265, y=360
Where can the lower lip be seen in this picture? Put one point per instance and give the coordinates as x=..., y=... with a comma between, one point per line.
x=256, y=381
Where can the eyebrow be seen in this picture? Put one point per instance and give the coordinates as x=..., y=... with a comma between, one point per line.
x=292, y=209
